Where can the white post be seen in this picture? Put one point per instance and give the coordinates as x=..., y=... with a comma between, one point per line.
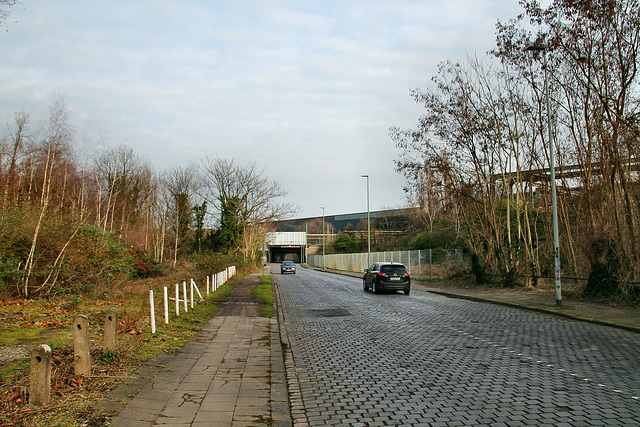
x=184, y=294
x=194, y=285
x=191, y=292
x=152, y=312
x=177, y=300
x=207, y=286
x=166, y=306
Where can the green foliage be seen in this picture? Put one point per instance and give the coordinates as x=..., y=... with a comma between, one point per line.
x=231, y=227
x=73, y=303
x=422, y=241
x=102, y=254
x=199, y=213
x=441, y=237
x=184, y=220
x=9, y=274
x=346, y=243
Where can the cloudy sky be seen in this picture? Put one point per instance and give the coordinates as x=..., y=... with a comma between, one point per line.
x=307, y=90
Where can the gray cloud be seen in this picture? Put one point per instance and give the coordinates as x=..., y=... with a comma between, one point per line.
x=306, y=89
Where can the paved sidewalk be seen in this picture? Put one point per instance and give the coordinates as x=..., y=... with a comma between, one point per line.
x=231, y=374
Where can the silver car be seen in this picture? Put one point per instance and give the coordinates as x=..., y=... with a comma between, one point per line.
x=287, y=267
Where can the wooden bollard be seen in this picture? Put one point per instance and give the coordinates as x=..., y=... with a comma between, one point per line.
x=81, y=345
x=40, y=376
x=110, y=329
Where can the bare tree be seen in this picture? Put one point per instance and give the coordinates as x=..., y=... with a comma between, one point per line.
x=58, y=134
x=5, y=12
x=593, y=51
x=181, y=184
x=126, y=184
x=247, y=201
x=17, y=136
x=476, y=126
x=484, y=135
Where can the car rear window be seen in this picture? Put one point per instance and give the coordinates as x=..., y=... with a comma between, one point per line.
x=399, y=269
x=287, y=263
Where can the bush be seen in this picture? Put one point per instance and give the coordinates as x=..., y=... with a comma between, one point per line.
x=144, y=266
x=510, y=279
x=479, y=270
x=9, y=275
x=422, y=241
x=605, y=268
x=102, y=254
x=346, y=243
x=213, y=262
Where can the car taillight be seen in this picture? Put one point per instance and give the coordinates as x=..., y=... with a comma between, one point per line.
x=383, y=275
x=406, y=274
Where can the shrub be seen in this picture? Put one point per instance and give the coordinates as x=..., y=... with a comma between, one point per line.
x=346, y=243
x=479, y=270
x=605, y=268
x=9, y=274
x=143, y=266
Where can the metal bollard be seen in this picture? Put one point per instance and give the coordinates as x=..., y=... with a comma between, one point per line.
x=110, y=329
x=81, y=345
x=40, y=376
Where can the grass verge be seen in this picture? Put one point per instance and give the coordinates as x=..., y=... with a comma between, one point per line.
x=263, y=295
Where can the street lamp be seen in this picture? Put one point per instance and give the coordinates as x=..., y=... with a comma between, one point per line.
x=368, y=224
x=323, y=264
x=554, y=203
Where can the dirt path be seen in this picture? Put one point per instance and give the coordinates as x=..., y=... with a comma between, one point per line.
x=240, y=302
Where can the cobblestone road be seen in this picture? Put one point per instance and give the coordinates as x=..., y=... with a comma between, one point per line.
x=361, y=359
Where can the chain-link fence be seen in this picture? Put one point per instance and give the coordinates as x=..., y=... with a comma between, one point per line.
x=422, y=264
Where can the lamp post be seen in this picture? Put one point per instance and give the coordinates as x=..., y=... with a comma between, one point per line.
x=368, y=224
x=323, y=264
x=554, y=203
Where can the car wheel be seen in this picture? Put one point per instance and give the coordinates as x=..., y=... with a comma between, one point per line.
x=364, y=285
x=407, y=291
x=373, y=288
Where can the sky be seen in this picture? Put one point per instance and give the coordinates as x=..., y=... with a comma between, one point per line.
x=306, y=90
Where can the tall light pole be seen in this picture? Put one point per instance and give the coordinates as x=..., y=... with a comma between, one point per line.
x=552, y=167
x=323, y=264
x=368, y=224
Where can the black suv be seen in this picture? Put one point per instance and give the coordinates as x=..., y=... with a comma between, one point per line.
x=386, y=276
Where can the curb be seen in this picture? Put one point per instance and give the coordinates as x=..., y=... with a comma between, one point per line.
x=535, y=309
x=297, y=412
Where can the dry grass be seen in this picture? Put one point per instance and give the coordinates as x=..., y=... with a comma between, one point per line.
x=33, y=322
